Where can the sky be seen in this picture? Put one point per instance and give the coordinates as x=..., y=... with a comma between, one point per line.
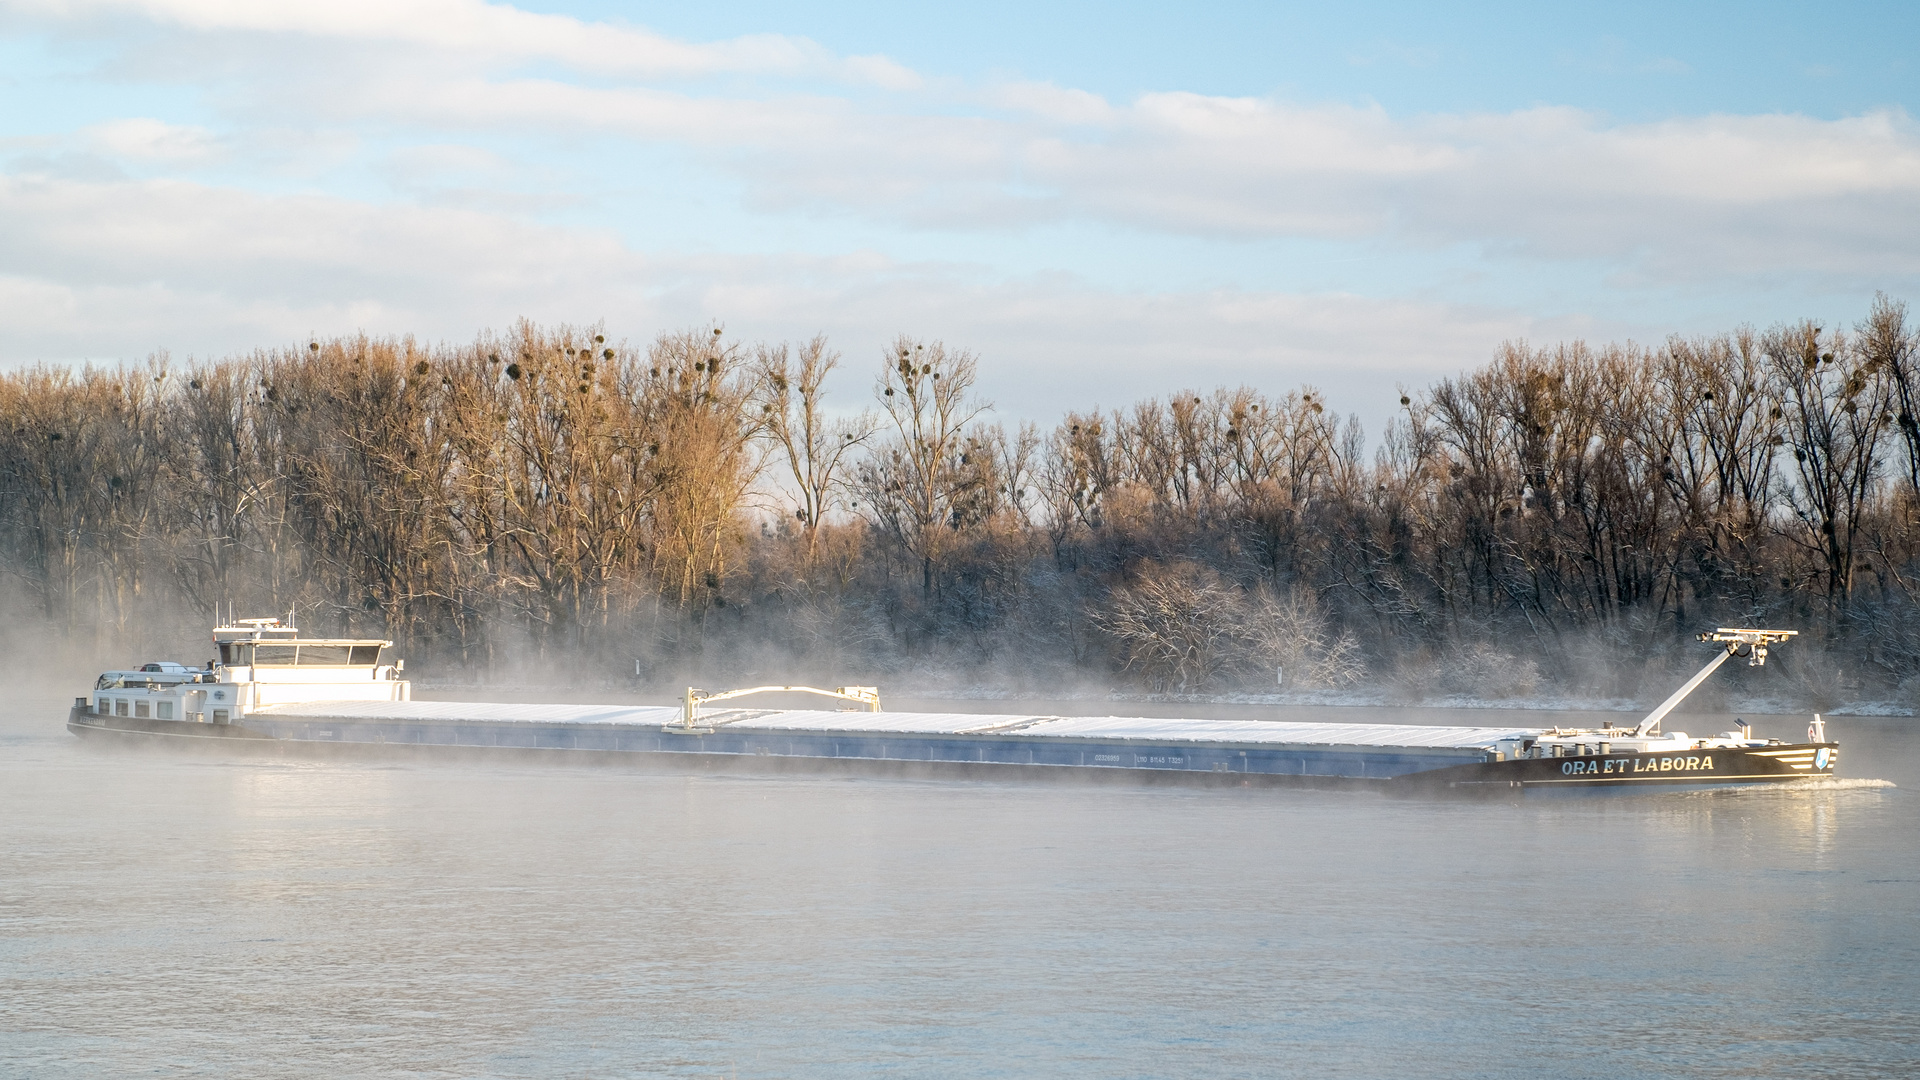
x=1102, y=201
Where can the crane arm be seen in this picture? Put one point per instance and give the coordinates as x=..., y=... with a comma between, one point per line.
x=1736, y=642
x=865, y=695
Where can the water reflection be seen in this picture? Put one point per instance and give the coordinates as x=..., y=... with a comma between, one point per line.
x=213, y=916
x=301, y=826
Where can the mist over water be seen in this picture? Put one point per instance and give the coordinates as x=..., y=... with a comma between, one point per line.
x=210, y=915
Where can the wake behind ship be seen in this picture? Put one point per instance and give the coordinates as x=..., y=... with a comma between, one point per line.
x=267, y=685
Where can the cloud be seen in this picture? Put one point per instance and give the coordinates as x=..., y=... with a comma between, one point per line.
x=147, y=140
x=1052, y=342
x=1048, y=102
x=496, y=32
x=103, y=269
x=243, y=243
x=1687, y=200
x=1677, y=200
x=464, y=130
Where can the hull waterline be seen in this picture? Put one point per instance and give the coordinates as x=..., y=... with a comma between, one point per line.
x=1393, y=770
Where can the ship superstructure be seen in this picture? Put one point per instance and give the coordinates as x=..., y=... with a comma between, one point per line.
x=256, y=663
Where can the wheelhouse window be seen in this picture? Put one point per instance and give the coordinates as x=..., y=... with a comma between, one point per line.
x=316, y=655
x=140, y=708
x=275, y=655
x=324, y=655
x=163, y=710
x=119, y=707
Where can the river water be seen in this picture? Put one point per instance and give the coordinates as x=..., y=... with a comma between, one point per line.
x=183, y=914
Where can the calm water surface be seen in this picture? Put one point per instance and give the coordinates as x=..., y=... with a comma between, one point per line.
x=183, y=915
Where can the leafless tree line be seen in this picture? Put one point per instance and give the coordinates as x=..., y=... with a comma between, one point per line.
x=699, y=503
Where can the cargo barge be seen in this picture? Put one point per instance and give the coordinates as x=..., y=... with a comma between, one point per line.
x=269, y=687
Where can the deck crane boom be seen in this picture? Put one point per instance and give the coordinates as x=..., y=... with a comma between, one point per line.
x=1751, y=644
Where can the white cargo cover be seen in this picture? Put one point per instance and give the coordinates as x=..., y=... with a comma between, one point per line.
x=1130, y=728
x=485, y=712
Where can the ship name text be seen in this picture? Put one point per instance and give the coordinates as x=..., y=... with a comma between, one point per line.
x=1638, y=765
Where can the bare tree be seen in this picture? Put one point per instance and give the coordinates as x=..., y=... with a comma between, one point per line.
x=792, y=415
x=1709, y=429
x=696, y=408
x=1183, y=627
x=1178, y=625
x=218, y=494
x=1836, y=403
x=1893, y=351
x=916, y=479
x=548, y=483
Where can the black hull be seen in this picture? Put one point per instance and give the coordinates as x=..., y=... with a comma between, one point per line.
x=1615, y=772
x=1612, y=772
x=172, y=734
